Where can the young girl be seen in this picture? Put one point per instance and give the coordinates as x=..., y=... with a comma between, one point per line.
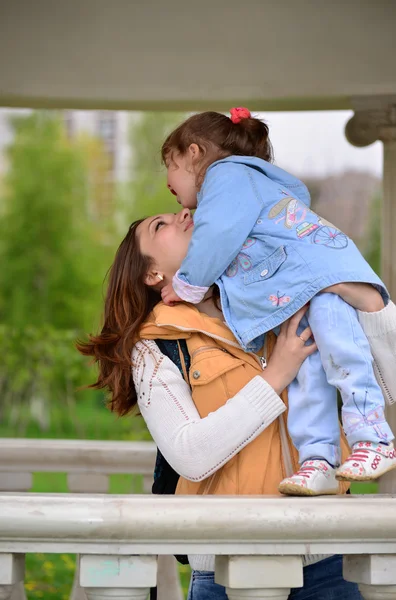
x=256, y=237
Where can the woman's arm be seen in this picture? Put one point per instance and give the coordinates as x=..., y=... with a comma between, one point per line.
x=380, y=329
x=196, y=447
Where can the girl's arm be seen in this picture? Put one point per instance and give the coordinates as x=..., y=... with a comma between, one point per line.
x=226, y=215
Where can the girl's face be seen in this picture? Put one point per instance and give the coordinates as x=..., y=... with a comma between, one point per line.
x=182, y=178
x=165, y=239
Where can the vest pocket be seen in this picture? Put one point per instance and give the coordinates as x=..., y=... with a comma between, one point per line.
x=267, y=267
x=207, y=364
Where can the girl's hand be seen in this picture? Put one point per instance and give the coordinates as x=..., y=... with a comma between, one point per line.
x=169, y=296
x=361, y=296
x=289, y=353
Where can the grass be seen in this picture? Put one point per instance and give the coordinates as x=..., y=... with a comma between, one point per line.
x=50, y=576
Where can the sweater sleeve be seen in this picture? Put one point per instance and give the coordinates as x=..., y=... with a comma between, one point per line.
x=380, y=329
x=197, y=447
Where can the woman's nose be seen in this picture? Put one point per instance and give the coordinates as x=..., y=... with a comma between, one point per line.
x=185, y=214
x=170, y=188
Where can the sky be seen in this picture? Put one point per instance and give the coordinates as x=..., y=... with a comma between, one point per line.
x=312, y=143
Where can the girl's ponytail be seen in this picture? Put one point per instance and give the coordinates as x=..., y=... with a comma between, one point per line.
x=249, y=136
x=219, y=136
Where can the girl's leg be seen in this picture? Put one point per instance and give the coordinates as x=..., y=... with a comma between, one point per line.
x=313, y=417
x=203, y=587
x=324, y=581
x=314, y=429
x=347, y=361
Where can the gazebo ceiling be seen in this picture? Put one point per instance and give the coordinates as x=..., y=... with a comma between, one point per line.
x=279, y=55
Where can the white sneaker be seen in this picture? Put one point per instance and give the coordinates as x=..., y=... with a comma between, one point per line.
x=367, y=462
x=315, y=478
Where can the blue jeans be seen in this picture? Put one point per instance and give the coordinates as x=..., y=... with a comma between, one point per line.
x=322, y=581
x=343, y=361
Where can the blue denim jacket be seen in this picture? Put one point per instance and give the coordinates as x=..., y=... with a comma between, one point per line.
x=257, y=239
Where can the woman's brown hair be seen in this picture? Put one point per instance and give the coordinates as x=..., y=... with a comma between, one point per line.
x=128, y=303
x=217, y=137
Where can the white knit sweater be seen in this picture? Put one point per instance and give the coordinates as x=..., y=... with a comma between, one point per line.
x=197, y=447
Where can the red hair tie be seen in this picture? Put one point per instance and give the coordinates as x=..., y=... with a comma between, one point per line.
x=239, y=113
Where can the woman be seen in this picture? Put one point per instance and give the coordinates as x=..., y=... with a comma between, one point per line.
x=220, y=420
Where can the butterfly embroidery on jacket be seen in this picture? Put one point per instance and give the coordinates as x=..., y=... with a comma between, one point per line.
x=279, y=299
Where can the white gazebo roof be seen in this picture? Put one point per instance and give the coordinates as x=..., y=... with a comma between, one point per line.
x=283, y=55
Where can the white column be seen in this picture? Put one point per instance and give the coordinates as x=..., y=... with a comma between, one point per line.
x=375, y=575
x=259, y=577
x=375, y=119
x=106, y=577
x=85, y=483
x=14, y=482
x=12, y=573
x=168, y=586
x=168, y=580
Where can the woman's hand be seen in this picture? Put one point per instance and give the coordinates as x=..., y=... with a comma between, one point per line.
x=289, y=353
x=361, y=296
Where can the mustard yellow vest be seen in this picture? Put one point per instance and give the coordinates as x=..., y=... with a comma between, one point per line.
x=219, y=369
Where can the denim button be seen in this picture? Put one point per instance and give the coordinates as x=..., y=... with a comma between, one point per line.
x=259, y=221
x=196, y=374
x=264, y=273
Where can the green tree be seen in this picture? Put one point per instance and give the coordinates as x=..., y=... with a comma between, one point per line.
x=41, y=230
x=54, y=255
x=148, y=193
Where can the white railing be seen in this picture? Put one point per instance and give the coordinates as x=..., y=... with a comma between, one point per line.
x=258, y=542
x=88, y=465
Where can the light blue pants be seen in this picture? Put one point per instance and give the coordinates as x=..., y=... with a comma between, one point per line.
x=343, y=361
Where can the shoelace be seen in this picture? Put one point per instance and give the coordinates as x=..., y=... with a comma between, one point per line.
x=306, y=472
x=360, y=455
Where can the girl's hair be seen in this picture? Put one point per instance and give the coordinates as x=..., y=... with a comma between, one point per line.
x=128, y=303
x=217, y=137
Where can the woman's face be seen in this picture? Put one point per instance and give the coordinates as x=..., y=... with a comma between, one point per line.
x=165, y=239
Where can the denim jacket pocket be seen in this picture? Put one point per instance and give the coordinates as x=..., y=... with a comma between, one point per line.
x=267, y=267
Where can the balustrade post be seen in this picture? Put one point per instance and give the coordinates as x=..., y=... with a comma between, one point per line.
x=15, y=482
x=168, y=586
x=375, y=575
x=107, y=577
x=12, y=572
x=259, y=577
x=85, y=483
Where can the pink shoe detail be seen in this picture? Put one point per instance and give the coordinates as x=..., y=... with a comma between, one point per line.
x=367, y=462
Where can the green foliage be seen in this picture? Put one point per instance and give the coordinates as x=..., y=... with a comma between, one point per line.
x=44, y=190
x=53, y=259
x=148, y=189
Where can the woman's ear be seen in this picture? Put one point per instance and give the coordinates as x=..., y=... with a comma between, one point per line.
x=153, y=278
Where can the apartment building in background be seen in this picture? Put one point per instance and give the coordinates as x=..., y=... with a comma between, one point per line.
x=111, y=126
